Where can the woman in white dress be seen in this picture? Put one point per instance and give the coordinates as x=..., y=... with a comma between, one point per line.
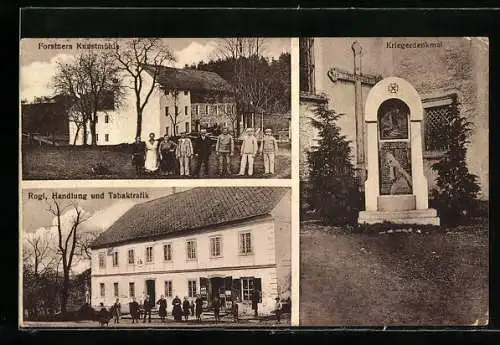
x=151, y=163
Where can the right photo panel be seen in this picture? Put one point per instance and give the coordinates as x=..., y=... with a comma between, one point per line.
x=394, y=181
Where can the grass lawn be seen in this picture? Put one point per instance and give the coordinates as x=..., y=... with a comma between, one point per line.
x=69, y=162
x=353, y=279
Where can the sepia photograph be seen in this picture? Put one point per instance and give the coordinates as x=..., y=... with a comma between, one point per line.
x=155, y=108
x=155, y=257
x=394, y=181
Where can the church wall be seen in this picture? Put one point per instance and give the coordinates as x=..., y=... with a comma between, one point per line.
x=458, y=65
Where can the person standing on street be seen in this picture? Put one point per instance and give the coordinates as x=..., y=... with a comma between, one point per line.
x=277, y=309
x=177, y=308
x=117, y=311
x=185, y=308
x=134, y=310
x=269, y=148
x=183, y=153
x=225, y=150
x=147, y=305
x=216, y=306
x=162, y=309
x=255, y=302
x=199, y=307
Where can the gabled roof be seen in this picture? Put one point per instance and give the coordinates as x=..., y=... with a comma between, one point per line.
x=189, y=79
x=194, y=209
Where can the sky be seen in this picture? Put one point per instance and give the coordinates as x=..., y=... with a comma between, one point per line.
x=38, y=63
x=100, y=213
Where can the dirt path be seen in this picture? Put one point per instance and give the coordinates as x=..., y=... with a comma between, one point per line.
x=361, y=279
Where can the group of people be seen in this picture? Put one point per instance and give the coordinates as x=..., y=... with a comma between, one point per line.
x=170, y=158
x=181, y=310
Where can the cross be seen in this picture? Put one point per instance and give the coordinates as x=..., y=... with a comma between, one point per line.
x=358, y=78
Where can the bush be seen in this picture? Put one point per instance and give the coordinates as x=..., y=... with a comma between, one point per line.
x=334, y=194
x=456, y=189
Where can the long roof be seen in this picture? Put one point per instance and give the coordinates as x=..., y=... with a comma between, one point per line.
x=189, y=79
x=194, y=209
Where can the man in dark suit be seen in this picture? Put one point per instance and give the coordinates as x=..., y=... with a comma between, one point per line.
x=203, y=147
x=134, y=310
x=148, y=305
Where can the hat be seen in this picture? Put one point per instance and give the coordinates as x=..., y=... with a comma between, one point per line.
x=277, y=298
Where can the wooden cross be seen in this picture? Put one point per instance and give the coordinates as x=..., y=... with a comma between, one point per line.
x=358, y=78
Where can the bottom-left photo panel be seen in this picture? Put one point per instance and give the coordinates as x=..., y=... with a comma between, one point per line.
x=155, y=257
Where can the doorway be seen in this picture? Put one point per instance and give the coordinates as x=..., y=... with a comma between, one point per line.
x=150, y=289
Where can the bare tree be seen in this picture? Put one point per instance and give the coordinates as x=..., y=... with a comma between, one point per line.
x=90, y=81
x=140, y=56
x=251, y=86
x=67, y=240
x=238, y=47
x=38, y=251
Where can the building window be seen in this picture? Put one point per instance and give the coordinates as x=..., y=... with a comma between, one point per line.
x=306, y=61
x=106, y=137
x=131, y=290
x=245, y=243
x=176, y=110
x=192, y=288
x=246, y=288
x=102, y=260
x=96, y=136
x=191, y=249
x=206, y=110
x=131, y=257
x=166, y=111
x=168, y=288
x=115, y=288
x=106, y=119
x=185, y=110
x=437, y=121
x=177, y=129
x=115, y=259
x=187, y=127
x=185, y=93
x=196, y=110
x=103, y=290
x=167, y=131
x=216, y=246
x=149, y=254
x=167, y=252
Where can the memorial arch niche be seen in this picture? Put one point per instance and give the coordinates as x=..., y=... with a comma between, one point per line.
x=396, y=187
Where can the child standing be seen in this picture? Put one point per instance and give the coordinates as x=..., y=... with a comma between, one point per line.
x=277, y=308
x=269, y=148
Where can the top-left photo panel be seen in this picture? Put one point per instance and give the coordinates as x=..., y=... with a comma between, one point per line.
x=155, y=108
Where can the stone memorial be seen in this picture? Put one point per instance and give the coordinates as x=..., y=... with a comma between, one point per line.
x=396, y=188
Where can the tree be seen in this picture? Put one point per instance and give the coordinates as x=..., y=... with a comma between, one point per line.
x=67, y=226
x=456, y=188
x=334, y=196
x=174, y=116
x=138, y=54
x=89, y=81
x=38, y=251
